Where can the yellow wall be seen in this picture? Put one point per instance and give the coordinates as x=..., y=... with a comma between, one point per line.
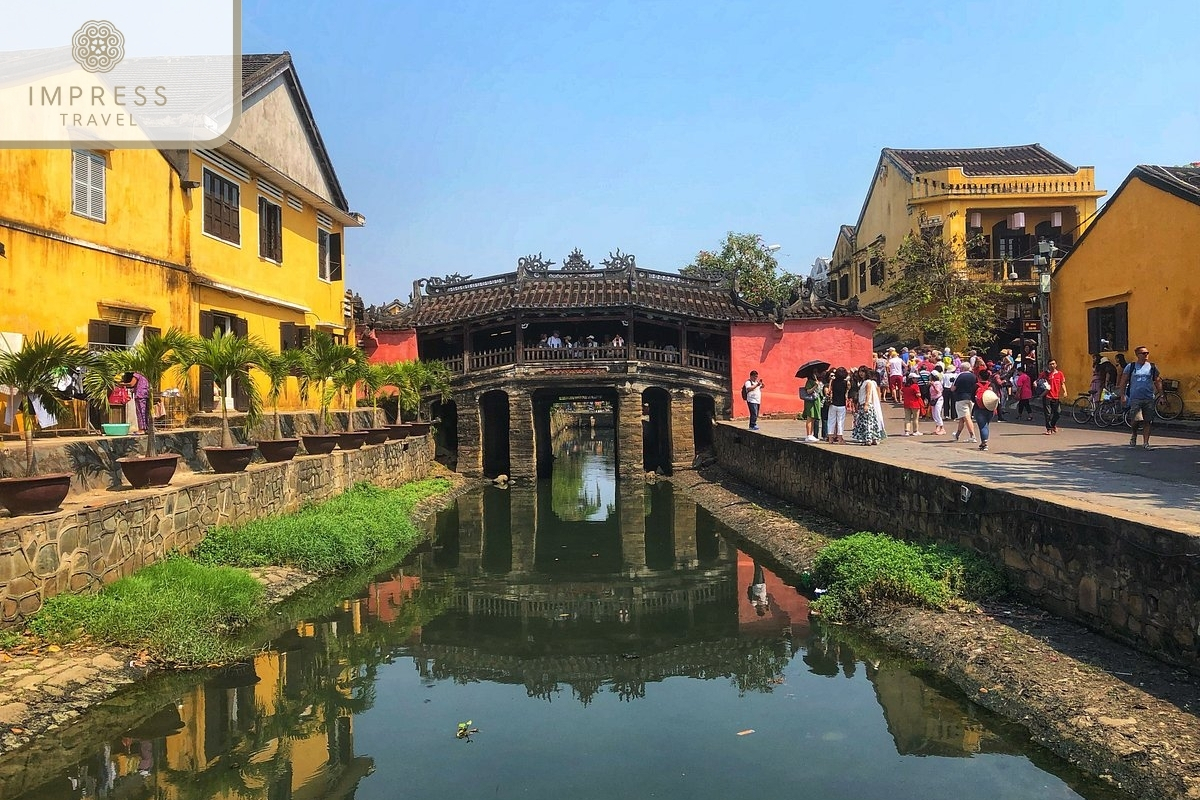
x=1142, y=251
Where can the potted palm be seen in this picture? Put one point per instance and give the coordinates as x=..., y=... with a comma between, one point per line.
x=347, y=380
x=31, y=374
x=152, y=358
x=373, y=378
x=228, y=357
x=428, y=377
x=320, y=361
x=408, y=396
x=277, y=368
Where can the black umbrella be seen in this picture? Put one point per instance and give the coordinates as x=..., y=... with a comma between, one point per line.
x=809, y=367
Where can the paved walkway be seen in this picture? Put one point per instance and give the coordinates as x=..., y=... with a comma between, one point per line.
x=1085, y=467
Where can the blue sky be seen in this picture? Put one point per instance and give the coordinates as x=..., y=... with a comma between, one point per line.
x=472, y=133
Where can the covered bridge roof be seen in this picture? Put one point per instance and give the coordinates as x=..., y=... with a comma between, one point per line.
x=620, y=285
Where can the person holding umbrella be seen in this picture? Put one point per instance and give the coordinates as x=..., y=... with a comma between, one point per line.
x=813, y=395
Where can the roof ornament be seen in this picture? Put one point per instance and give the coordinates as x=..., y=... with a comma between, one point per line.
x=439, y=285
x=533, y=265
x=576, y=262
x=619, y=261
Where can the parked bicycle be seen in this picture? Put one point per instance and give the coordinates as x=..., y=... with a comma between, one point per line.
x=1105, y=412
x=1167, y=406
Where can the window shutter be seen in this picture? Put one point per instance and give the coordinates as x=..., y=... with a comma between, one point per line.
x=323, y=255
x=264, y=229
x=206, y=377
x=97, y=331
x=1122, y=334
x=151, y=333
x=80, y=173
x=1093, y=333
x=287, y=336
x=303, y=334
x=241, y=327
x=335, y=257
x=96, y=208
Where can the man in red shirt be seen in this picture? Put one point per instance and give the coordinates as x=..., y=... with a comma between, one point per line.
x=1052, y=399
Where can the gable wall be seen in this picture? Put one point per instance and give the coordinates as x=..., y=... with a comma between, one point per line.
x=272, y=129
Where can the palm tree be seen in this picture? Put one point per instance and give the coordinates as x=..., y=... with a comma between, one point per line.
x=32, y=374
x=228, y=357
x=321, y=359
x=277, y=368
x=347, y=379
x=152, y=357
x=408, y=396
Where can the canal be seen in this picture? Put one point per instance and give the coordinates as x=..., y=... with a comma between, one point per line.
x=598, y=638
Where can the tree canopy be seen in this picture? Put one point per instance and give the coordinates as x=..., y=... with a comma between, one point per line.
x=746, y=257
x=938, y=299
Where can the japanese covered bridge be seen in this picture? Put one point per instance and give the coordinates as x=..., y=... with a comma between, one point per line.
x=664, y=352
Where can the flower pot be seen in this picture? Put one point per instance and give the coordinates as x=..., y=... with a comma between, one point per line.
x=115, y=428
x=397, y=431
x=224, y=460
x=419, y=428
x=352, y=440
x=276, y=450
x=377, y=435
x=316, y=444
x=146, y=471
x=34, y=495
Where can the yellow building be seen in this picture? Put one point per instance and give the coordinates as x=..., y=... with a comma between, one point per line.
x=1002, y=199
x=1134, y=280
x=109, y=245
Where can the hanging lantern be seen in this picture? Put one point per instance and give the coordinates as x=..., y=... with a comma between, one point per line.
x=975, y=220
x=1056, y=219
x=1016, y=221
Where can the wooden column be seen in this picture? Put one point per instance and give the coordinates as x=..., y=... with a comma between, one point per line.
x=683, y=437
x=519, y=331
x=470, y=435
x=683, y=344
x=522, y=461
x=630, y=350
x=630, y=460
x=466, y=347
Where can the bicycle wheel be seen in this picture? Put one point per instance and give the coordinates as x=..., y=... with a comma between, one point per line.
x=1081, y=410
x=1168, y=406
x=1109, y=414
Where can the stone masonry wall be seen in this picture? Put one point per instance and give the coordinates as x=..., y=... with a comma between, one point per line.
x=78, y=551
x=1133, y=581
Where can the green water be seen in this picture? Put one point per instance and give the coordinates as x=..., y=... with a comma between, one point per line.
x=602, y=640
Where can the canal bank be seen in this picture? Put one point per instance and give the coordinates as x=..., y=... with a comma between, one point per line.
x=44, y=689
x=1113, y=711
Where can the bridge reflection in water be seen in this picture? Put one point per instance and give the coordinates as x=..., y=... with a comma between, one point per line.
x=581, y=589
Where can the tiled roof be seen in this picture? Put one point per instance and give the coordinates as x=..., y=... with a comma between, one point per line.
x=257, y=68
x=1024, y=159
x=1183, y=180
x=848, y=231
x=610, y=291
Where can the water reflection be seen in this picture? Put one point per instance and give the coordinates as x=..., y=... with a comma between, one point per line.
x=630, y=606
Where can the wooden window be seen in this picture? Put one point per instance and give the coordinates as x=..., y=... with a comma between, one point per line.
x=844, y=287
x=862, y=277
x=329, y=255
x=877, y=271
x=1108, y=328
x=292, y=336
x=270, y=230
x=87, y=185
x=222, y=208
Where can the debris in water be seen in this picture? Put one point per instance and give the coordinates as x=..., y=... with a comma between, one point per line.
x=746, y=732
x=465, y=730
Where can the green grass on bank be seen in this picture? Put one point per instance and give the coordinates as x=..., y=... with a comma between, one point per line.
x=866, y=572
x=352, y=530
x=185, y=610
x=177, y=610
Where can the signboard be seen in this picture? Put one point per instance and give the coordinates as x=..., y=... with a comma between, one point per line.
x=1031, y=326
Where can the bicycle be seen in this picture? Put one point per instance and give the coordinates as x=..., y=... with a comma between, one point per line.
x=1105, y=413
x=1167, y=406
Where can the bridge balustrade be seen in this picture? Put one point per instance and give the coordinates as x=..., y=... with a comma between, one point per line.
x=493, y=358
x=506, y=356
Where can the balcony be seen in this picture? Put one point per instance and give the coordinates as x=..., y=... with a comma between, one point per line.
x=533, y=356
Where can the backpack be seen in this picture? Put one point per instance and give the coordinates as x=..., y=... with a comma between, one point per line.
x=745, y=392
x=1129, y=368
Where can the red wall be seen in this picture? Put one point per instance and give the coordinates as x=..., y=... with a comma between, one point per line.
x=777, y=354
x=787, y=609
x=389, y=347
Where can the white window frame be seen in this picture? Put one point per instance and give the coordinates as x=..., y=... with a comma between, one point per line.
x=88, y=179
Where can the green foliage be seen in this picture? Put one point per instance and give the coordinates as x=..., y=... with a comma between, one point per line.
x=321, y=361
x=352, y=530
x=277, y=368
x=10, y=639
x=33, y=372
x=178, y=610
x=227, y=356
x=868, y=570
x=744, y=260
x=939, y=299
x=152, y=357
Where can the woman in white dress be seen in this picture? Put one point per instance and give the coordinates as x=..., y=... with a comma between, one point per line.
x=868, y=419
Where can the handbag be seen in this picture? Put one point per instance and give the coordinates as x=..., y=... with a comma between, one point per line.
x=119, y=396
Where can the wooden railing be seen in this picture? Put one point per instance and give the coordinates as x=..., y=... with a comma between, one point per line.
x=506, y=356
x=708, y=363
x=493, y=358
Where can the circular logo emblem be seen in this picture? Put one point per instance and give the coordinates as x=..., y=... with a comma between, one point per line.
x=98, y=46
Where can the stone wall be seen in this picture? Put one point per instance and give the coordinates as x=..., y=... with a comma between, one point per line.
x=77, y=551
x=1131, y=580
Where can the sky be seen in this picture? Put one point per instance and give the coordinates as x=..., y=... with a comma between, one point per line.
x=473, y=133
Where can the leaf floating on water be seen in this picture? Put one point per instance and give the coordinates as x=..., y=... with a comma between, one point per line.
x=746, y=732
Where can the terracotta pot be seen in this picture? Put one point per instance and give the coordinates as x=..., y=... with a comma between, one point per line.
x=352, y=440
x=34, y=495
x=276, y=450
x=419, y=428
x=316, y=444
x=229, y=459
x=146, y=471
x=397, y=431
x=377, y=435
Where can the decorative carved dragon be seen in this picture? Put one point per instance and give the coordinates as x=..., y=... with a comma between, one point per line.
x=576, y=262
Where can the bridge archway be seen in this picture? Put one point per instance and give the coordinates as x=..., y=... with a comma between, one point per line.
x=585, y=403
x=704, y=413
x=446, y=440
x=494, y=424
x=656, y=430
